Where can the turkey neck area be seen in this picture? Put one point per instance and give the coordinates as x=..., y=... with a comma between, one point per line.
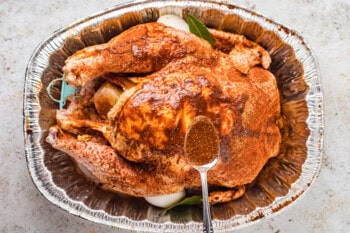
x=201, y=141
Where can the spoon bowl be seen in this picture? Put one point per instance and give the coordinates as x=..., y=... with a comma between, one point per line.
x=206, y=167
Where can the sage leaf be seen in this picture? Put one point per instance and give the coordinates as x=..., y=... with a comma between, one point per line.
x=199, y=29
x=189, y=201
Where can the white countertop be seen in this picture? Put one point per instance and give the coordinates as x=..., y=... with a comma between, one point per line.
x=323, y=24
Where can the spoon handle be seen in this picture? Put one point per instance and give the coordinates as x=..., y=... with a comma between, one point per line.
x=207, y=224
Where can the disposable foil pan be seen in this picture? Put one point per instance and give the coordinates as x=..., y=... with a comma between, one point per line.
x=283, y=180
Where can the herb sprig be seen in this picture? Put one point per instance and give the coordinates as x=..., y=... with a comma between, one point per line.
x=199, y=29
x=189, y=201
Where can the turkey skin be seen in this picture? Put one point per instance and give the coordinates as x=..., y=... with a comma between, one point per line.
x=159, y=79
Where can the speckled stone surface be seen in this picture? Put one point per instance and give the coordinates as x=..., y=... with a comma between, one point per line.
x=323, y=24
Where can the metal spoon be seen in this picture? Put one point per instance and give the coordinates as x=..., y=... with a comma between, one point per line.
x=202, y=149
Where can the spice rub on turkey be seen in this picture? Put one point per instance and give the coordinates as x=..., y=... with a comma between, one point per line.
x=140, y=91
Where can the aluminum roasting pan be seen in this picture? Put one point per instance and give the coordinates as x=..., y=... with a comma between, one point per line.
x=281, y=182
